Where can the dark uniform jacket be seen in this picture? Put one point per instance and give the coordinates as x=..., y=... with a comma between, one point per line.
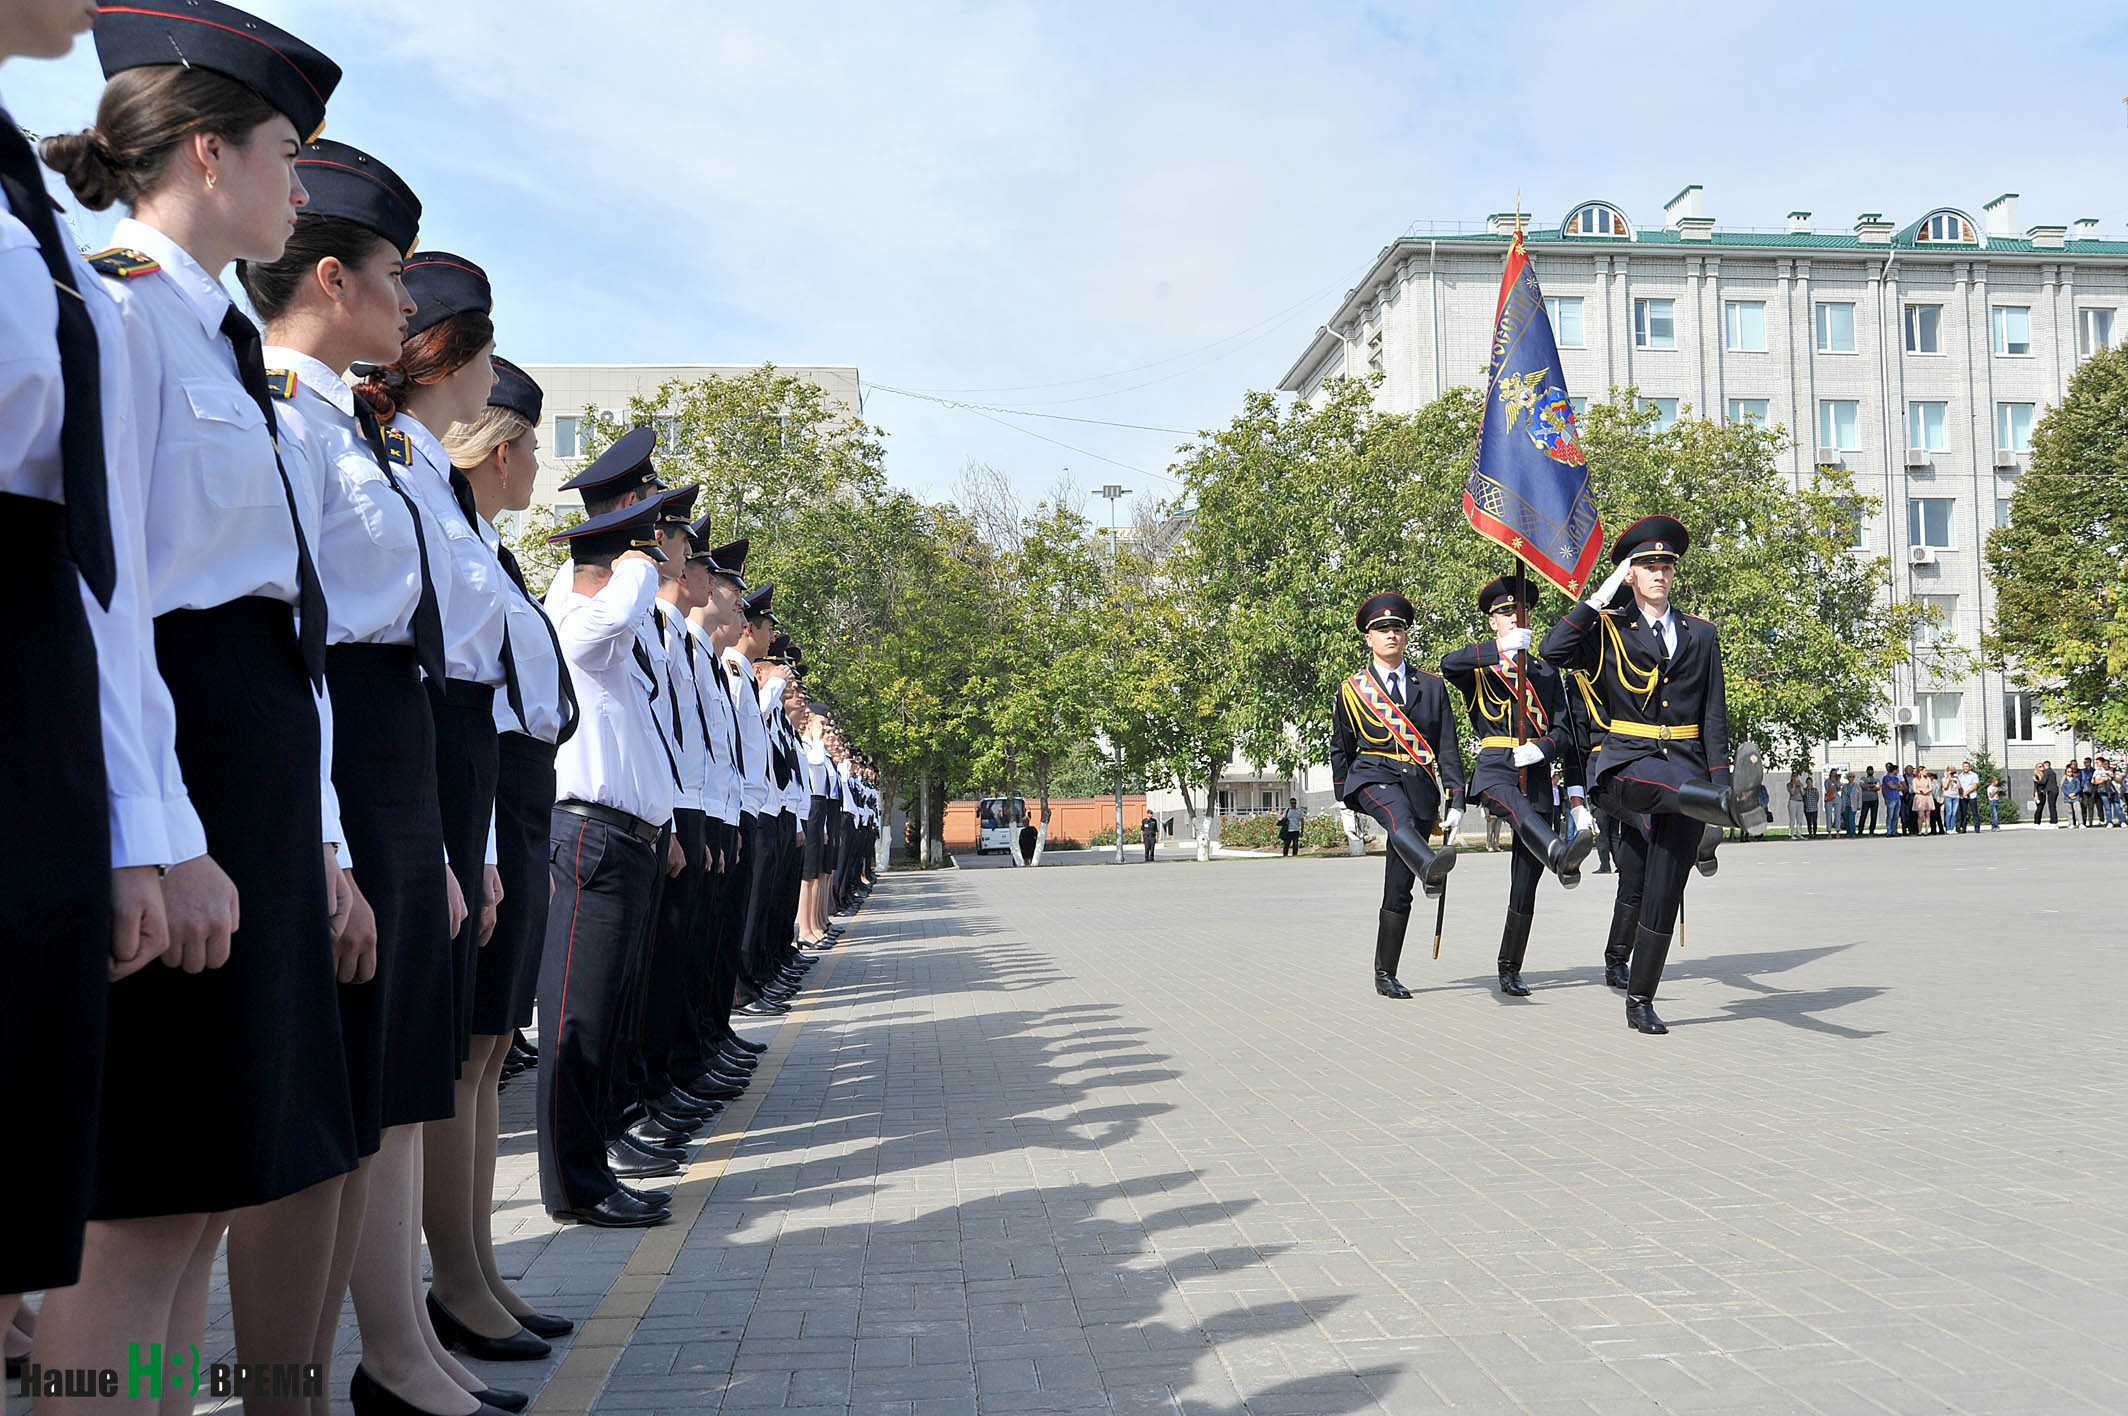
x=1363, y=754
x=1489, y=690
x=1634, y=683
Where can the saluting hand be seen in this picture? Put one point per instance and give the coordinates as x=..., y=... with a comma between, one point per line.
x=1608, y=591
x=454, y=900
x=490, y=901
x=355, y=946
x=1512, y=641
x=140, y=931
x=200, y=903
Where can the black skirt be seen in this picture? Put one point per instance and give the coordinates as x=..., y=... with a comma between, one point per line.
x=465, y=789
x=507, y=971
x=228, y=1088
x=813, y=852
x=396, y=1027
x=55, y=873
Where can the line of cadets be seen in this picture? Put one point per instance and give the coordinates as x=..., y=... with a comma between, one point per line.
x=1643, y=732
x=309, y=794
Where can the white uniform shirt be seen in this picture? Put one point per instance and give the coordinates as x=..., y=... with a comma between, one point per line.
x=793, y=796
x=215, y=510
x=722, y=788
x=533, y=649
x=683, y=704
x=151, y=817
x=475, y=610
x=615, y=757
x=759, y=784
x=817, y=772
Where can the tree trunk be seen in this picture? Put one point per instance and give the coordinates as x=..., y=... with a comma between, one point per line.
x=1041, y=834
x=923, y=819
x=1209, y=841
x=883, y=848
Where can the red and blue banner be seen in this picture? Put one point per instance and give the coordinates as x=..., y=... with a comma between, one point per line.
x=1529, y=481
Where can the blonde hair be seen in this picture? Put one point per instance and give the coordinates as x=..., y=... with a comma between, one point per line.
x=471, y=444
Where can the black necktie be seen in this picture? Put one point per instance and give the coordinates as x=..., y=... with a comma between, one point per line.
x=81, y=466
x=243, y=337
x=428, y=620
x=701, y=716
x=462, y=492
x=672, y=698
x=570, y=711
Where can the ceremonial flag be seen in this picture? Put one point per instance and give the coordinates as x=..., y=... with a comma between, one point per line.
x=1529, y=482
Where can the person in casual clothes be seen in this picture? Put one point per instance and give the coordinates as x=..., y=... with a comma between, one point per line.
x=2072, y=790
x=1810, y=805
x=1953, y=789
x=1913, y=817
x=1832, y=802
x=1892, y=787
x=1149, y=835
x=1866, y=808
x=1994, y=803
x=1925, y=803
x=1290, y=822
x=2046, y=794
x=1796, y=793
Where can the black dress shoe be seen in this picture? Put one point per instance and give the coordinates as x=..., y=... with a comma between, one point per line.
x=503, y=1399
x=369, y=1398
x=724, y=1077
x=1615, y=976
x=1511, y=983
x=519, y=1346
x=650, y=1133
x=616, y=1211
x=1640, y=1013
x=762, y=1008
x=659, y=1195
x=677, y=1105
x=702, y=1089
x=1387, y=985
x=631, y=1164
x=757, y=1048
x=654, y=1152
x=735, y=1057
x=547, y=1325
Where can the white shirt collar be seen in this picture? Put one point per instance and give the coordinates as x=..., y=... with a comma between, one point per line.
x=312, y=374
x=421, y=440
x=205, y=294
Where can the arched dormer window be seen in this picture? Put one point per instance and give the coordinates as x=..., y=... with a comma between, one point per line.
x=1945, y=226
x=1597, y=219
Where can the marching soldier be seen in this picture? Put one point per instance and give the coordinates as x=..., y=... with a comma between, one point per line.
x=1506, y=705
x=1394, y=756
x=1663, y=767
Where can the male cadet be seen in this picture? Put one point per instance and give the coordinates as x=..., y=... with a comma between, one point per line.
x=1663, y=765
x=761, y=800
x=614, y=797
x=620, y=476
x=1506, y=704
x=1394, y=755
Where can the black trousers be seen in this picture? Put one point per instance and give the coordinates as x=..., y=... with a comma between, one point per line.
x=668, y=1022
x=1288, y=843
x=2049, y=804
x=709, y=968
x=605, y=893
x=760, y=866
x=55, y=873
x=1151, y=844
x=1524, y=868
x=1390, y=804
x=781, y=922
x=1866, y=819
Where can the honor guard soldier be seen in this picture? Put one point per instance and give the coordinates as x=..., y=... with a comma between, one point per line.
x=614, y=791
x=1518, y=708
x=1655, y=677
x=1394, y=756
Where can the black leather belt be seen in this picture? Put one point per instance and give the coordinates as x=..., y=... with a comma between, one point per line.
x=635, y=826
x=376, y=660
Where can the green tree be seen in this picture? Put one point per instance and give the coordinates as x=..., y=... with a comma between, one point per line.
x=2061, y=566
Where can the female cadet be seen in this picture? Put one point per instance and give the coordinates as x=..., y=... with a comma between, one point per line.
x=1511, y=694
x=225, y=1088
x=1394, y=756
x=497, y=454
x=81, y=814
x=333, y=298
x=814, y=855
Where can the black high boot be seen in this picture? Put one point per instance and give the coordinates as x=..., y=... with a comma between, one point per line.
x=1710, y=841
x=1560, y=856
x=1514, y=943
x=1388, y=950
x=1704, y=801
x=1650, y=951
x=1618, y=949
x=1429, y=865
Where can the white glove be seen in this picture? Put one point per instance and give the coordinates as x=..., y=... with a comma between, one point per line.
x=1608, y=591
x=1528, y=754
x=1584, y=819
x=1450, y=820
x=1512, y=641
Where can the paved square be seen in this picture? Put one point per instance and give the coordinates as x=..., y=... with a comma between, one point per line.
x=1143, y=1139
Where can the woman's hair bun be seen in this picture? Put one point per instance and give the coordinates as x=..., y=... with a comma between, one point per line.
x=91, y=173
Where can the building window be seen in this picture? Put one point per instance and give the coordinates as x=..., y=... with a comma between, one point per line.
x=1928, y=426
x=1857, y=526
x=1744, y=322
x=1840, y=423
x=1580, y=407
x=2013, y=426
x=1942, y=719
x=1924, y=329
x=565, y=426
x=508, y=522
x=1928, y=522
x=1596, y=221
x=2094, y=331
x=1565, y=314
x=1945, y=629
x=1945, y=226
x=2002, y=511
x=1655, y=324
x=2013, y=329
x=2017, y=717
x=1665, y=413
x=1748, y=410
x=1836, y=329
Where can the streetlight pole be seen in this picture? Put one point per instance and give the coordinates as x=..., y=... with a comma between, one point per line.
x=1113, y=493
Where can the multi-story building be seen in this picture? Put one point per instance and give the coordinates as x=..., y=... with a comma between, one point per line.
x=571, y=388
x=1918, y=357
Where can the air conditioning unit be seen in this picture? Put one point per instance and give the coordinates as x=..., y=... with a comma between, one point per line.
x=2004, y=457
x=1920, y=555
x=1829, y=457
x=1917, y=457
x=1905, y=715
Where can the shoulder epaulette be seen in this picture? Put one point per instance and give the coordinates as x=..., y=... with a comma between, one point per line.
x=281, y=383
x=123, y=263
x=1701, y=618
x=397, y=448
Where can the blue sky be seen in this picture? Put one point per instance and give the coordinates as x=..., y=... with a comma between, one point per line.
x=1131, y=212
